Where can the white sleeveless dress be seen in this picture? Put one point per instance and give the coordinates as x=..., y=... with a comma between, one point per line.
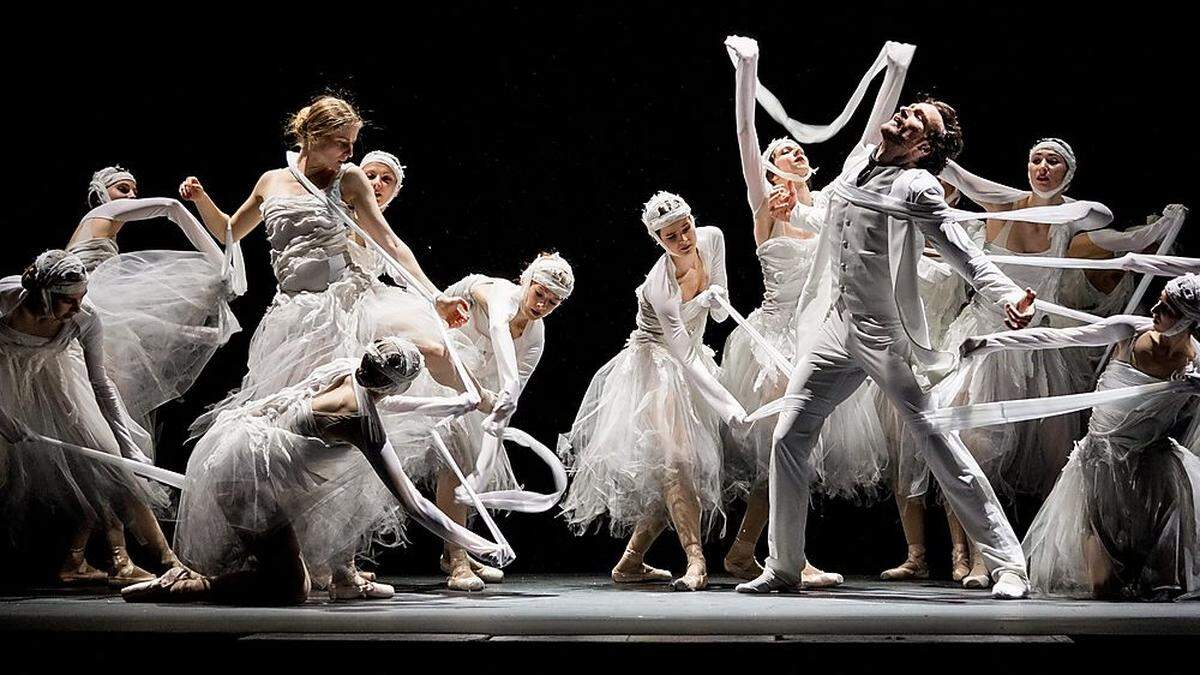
x=1024, y=457
x=318, y=314
x=1132, y=488
x=851, y=456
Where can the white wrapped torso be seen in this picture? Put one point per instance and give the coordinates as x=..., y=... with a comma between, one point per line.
x=310, y=247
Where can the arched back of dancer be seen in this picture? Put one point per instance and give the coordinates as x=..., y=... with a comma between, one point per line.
x=270, y=487
x=1121, y=521
x=501, y=345
x=645, y=446
x=317, y=314
x=49, y=389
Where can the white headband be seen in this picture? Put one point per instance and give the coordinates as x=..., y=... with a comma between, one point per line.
x=553, y=272
x=663, y=209
x=398, y=359
x=58, y=272
x=770, y=165
x=105, y=178
x=1059, y=147
x=1184, y=293
x=390, y=161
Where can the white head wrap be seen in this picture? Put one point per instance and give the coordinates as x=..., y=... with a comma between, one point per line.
x=553, y=272
x=56, y=272
x=390, y=161
x=663, y=209
x=104, y=179
x=770, y=165
x=1184, y=294
x=1059, y=147
x=396, y=358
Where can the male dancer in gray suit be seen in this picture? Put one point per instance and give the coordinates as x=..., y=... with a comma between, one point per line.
x=873, y=325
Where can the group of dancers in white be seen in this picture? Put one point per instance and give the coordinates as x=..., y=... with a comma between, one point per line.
x=899, y=338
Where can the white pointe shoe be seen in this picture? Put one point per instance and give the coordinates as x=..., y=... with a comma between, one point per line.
x=360, y=589
x=767, y=582
x=1010, y=586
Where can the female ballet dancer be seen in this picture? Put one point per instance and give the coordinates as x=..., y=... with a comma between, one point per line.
x=646, y=442
x=1121, y=522
x=501, y=345
x=787, y=216
x=270, y=486
x=165, y=312
x=317, y=314
x=48, y=388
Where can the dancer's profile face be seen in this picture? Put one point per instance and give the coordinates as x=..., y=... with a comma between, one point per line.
x=679, y=237
x=538, y=301
x=910, y=128
x=383, y=182
x=790, y=158
x=336, y=148
x=63, y=306
x=122, y=189
x=1047, y=169
x=1165, y=314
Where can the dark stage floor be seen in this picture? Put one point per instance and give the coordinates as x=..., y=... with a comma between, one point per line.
x=579, y=616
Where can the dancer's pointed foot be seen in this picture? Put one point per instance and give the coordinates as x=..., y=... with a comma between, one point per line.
x=695, y=577
x=767, y=582
x=76, y=570
x=913, y=567
x=631, y=569
x=123, y=572
x=812, y=577
x=489, y=574
x=978, y=576
x=179, y=584
x=359, y=588
x=1010, y=586
x=960, y=563
x=462, y=578
x=741, y=563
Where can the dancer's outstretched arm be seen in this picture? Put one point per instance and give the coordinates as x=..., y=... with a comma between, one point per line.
x=1109, y=331
x=130, y=210
x=241, y=223
x=1102, y=242
x=356, y=191
x=91, y=338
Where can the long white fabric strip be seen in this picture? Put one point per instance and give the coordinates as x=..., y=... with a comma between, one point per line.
x=1141, y=263
x=817, y=133
x=506, y=551
x=522, y=501
x=1005, y=412
x=391, y=263
x=9, y=429
x=778, y=359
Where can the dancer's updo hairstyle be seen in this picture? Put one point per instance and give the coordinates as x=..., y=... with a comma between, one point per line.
x=322, y=117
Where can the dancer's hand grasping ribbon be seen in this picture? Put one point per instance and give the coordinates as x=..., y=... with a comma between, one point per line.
x=1019, y=315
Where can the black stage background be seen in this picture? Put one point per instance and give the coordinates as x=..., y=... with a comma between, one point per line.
x=525, y=128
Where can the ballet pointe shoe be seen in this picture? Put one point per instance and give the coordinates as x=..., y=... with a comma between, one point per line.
x=978, y=577
x=695, y=577
x=631, y=570
x=123, y=572
x=913, y=567
x=812, y=577
x=76, y=570
x=960, y=563
x=461, y=577
x=740, y=562
x=358, y=587
x=179, y=584
x=489, y=574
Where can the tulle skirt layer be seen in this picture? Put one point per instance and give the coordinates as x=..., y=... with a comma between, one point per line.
x=640, y=429
x=1119, y=528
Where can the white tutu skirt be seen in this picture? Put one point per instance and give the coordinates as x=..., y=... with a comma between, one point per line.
x=49, y=391
x=850, y=457
x=298, y=334
x=638, y=429
x=1131, y=522
x=248, y=478
x=165, y=313
x=1024, y=457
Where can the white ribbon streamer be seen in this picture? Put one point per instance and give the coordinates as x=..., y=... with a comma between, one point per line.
x=521, y=501
x=1153, y=265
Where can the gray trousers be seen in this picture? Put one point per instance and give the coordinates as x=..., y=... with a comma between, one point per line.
x=847, y=351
